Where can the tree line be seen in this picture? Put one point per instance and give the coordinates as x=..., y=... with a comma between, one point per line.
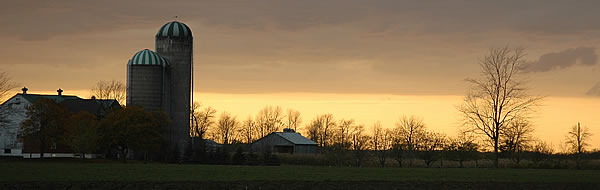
x=408, y=140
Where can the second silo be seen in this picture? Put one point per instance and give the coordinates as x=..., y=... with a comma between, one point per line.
x=146, y=80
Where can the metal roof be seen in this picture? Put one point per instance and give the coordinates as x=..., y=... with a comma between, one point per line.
x=296, y=138
x=174, y=28
x=147, y=57
x=33, y=97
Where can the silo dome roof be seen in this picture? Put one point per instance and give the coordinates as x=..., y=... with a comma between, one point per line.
x=174, y=28
x=147, y=57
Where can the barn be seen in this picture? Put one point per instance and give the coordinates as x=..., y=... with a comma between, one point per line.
x=287, y=141
x=14, y=111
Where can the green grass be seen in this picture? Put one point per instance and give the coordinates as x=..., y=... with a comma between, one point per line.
x=14, y=171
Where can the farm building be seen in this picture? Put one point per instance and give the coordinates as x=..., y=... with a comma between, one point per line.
x=287, y=141
x=13, y=112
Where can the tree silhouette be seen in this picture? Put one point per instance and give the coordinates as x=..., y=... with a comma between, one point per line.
x=226, y=128
x=516, y=138
x=6, y=86
x=540, y=151
x=82, y=133
x=44, y=124
x=498, y=97
x=293, y=119
x=248, y=130
x=321, y=128
x=409, y=131
x=110, y=90
x=343, y=131
x=133, y=128
x=381, y=142
x=201, y=120
x=463, y=147
x=577, y=141
x=430, y=145
x=359, y=143
x=269, y=119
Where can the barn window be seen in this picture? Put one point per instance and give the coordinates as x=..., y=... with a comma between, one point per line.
x=7, y=151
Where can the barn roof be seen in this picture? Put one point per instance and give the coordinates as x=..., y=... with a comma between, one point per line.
x=58, y=98
x=295, y=138
x=97, y=107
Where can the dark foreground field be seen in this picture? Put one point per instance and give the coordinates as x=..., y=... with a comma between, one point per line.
x=93, y=175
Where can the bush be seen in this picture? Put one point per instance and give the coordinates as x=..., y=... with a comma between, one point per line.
x=270, y=159
x=238, y=157
x=252, y=159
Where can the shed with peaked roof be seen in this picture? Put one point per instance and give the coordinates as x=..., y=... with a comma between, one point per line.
x=287, y=141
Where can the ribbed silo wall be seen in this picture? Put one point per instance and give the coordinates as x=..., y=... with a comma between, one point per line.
x=178, y=51
x=144, y=86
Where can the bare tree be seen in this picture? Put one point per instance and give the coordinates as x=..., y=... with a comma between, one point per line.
x=248, y=130
x=6, y=86
x=516, y=138
x=463, y=147
x=540, y=151
x=342, y=132
x=194, y=112
x=202, y=120
x=411, y=130
x=313, y=130
x=320, y=129
x=377, y=132
x=359, y=144
x=293, y=119
x=328, y=124
x=226, y=127
x=499, y=96
x=577, y=141
x=381, y=142
x=110, y=90
x=430, y=146
x=399, y=147
x=269, y=119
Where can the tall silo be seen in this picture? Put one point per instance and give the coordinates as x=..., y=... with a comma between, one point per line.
x=146, y=80
x=174, y=41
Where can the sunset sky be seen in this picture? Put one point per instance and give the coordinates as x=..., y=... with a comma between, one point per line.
x=367, y=60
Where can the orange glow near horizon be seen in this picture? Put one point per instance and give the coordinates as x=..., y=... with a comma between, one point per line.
x=551, y=122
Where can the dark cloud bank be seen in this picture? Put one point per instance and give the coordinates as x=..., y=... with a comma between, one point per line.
x=585, y=56
x=564, y=59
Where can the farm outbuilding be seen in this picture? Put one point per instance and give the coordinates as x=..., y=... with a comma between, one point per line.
x=15, y=112
x=287, y=141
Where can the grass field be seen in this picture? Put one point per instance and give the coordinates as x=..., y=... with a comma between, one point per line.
x=36, y=171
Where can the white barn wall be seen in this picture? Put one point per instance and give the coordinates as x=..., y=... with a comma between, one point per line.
x=15, y=110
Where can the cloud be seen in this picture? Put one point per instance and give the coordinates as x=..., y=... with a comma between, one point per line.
x=85, y=16
x=594, y=91
x=564, y=59
x=310, y=45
